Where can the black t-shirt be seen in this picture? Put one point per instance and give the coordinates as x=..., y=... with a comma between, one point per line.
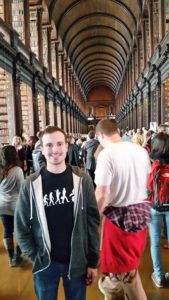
x=58, y=199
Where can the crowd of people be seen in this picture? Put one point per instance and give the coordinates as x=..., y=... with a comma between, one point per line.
x=56, y=190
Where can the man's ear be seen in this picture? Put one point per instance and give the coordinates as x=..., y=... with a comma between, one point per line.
x=102, y=134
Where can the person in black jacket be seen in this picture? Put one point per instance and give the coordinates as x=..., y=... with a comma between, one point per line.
x=90, y=148
x=73, y=153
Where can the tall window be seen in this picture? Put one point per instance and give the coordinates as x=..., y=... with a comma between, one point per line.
x=136, y=63
x=33, y=32
x=147, y=37
x=166, y=15
x=45, y=48
x=50, y=112
x=141, y=55
x=53, y=58
x=18, y=18
x=2, y=9
x=60, y=69
x=156, y=22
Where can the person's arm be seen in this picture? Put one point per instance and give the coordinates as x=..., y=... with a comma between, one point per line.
x=19, y=178
x=93, y=221
x=103, y=177
x=102, y=192
x=91, y=276
x=23, y=225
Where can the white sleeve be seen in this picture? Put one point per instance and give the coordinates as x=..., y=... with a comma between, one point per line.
x=104, y=169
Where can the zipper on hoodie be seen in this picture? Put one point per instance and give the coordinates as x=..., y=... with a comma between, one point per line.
x=44, y=242
x=76, y=211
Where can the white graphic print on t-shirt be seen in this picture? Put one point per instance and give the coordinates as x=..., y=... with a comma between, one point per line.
x=58, y=197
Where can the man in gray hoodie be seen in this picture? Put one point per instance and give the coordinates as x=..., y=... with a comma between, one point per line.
x=56, y=223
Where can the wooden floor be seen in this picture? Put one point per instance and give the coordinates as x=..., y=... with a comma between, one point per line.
x=17, y=283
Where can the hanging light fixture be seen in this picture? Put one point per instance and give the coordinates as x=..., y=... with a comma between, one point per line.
x=90, y=117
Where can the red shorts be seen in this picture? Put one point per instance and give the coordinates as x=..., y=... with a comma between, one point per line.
x=121, y=251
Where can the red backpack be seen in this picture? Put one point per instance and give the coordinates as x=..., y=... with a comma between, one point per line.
x=158, y=186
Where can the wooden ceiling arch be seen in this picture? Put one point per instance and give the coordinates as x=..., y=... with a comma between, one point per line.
x=109, y=79
x=87, y=49
x=99, y=28
x=115, y=76
x=91, y=40
x=103, y=75
x=100, y=71
x=100, y=65
x=95, y=78
x=100, y=83
x=97, y=15
x=93, y=61
x=74, y=5
x=102, y=54
x=97, y=36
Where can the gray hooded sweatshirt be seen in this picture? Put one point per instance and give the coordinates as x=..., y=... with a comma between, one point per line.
x=31, y=230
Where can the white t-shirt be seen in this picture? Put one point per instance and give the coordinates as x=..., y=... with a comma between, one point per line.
x=125, y=167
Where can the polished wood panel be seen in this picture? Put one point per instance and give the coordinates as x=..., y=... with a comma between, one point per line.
x=17, y=283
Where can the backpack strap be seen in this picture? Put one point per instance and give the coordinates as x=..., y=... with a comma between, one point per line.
x=154, y=168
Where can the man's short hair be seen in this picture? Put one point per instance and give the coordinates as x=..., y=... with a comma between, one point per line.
x=107, y=126
x=91, y=134
x=51, y=129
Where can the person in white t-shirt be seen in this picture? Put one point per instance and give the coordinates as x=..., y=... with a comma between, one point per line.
x=121, y=177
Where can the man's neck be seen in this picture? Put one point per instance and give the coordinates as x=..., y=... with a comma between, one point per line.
x=115, y=138
x=56, y=169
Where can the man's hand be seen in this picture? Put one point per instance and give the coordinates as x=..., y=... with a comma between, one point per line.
x=91, y=276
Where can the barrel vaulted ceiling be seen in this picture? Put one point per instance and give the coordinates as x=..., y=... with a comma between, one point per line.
x=98, y=36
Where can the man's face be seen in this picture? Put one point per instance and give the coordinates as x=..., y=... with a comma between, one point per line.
x=54, y=148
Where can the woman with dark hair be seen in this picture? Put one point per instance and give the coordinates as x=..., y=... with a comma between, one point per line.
x=158, y=186
x=11, y=178
x=17, y=143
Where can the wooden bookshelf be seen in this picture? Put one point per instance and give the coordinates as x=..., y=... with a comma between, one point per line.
x=41, y=111
x=145, y=112
x=4, y=133
x=26, y=103
x=166, y=101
